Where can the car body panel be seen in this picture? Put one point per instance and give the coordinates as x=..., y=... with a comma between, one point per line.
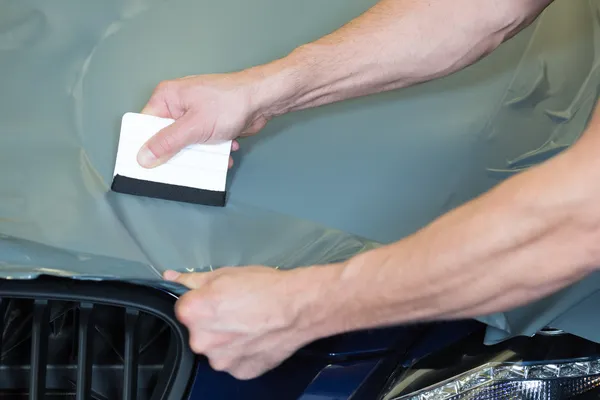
x=318, y=186
x=315, y=374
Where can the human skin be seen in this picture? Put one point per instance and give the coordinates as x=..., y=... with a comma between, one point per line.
x=529, y=236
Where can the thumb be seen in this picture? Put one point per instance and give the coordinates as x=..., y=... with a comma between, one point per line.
x=161, y=147
x=191, y=280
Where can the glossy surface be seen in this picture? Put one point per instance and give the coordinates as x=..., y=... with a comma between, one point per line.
x=314, y=374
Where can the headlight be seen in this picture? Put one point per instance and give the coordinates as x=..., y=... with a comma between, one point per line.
x=544, y=367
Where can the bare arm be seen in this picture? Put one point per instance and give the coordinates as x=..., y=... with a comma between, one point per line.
x=527, y=238
x=530, y=236
x=395, y=44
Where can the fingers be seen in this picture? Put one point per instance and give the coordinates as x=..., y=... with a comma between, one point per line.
x=156, y=107
x=249, y=369
x=230, y=361
x=171, y=275
x=255, y=127
x=157, y=104
x=244, y=368
x=172, y=139
x=167, y=102
x=168, y=142
x=235, y=146
x=191, y=280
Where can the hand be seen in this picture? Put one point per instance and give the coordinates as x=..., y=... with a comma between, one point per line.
x=205, y=108
x=245, y=320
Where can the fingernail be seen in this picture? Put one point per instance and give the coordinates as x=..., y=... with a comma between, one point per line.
x=146, y=158
x=171, y=275
x=146, y=110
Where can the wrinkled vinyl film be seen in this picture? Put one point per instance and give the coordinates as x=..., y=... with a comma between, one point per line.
x=316, y=186
x=62, y=66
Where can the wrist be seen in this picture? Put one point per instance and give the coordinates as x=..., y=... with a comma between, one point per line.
x=337, y=298
x=317, y=301
x=283, y=85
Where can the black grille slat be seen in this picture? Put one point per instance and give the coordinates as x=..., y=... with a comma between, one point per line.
x=39, y=349
x=84, y=351
x=66, y=339
x=3, y=308
x=131, y=355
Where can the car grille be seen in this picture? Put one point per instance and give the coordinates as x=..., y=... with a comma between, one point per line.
x=66, y=339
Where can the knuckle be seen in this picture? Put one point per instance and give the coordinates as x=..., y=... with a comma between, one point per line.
x=183, y=310
x=164, y=143
x=220, y=363
x=243, y=373
x=238, y=374
x=163, y=86
x=197, y=345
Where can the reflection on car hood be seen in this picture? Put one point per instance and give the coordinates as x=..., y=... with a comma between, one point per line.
x=317, y=186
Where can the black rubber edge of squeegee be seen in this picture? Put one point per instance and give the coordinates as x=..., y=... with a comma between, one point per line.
x=157, y=190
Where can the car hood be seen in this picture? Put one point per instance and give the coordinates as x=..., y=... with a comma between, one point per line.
x=317, y=186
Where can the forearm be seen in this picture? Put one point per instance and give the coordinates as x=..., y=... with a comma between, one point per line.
x=395, y=44
x=530, y=236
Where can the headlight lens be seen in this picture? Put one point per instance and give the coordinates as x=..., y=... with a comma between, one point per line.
x=538, y=368
x=517, y=381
